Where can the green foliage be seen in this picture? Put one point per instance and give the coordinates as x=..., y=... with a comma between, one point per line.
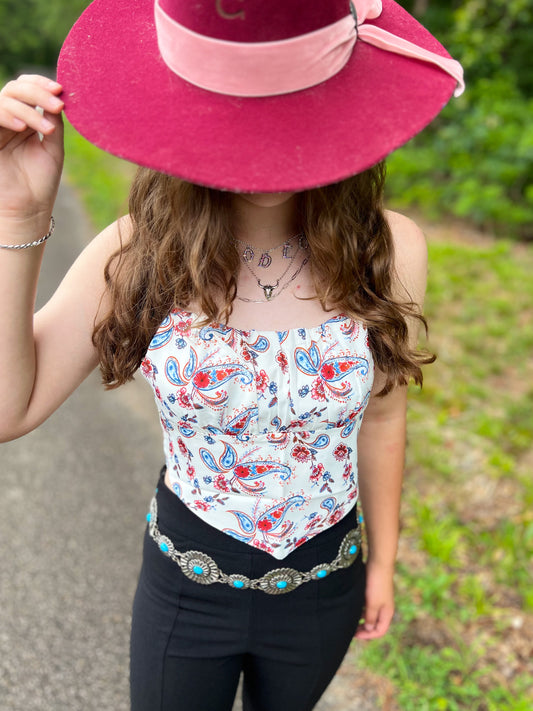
x=101, y=179
x=493, y=38
x=476, y=163
x=476, y=160
x=464, y=572
x=31, y=32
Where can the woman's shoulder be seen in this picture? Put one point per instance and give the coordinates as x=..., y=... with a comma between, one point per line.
x=406, y=234
x=103, y=247
x=114, y=236
x=410, y=254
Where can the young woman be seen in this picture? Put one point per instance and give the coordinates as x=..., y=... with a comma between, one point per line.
x=268, y=298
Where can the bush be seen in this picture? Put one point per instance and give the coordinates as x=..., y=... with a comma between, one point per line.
x=476, y=163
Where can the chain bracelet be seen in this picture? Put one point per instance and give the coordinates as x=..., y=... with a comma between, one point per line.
x=36, y=242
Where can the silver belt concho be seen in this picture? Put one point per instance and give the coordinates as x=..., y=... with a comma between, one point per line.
x=202, y=568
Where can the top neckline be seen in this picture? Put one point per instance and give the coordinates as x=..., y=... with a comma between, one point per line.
x=308, y=329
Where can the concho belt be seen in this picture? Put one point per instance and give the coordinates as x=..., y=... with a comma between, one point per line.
x=202, y=568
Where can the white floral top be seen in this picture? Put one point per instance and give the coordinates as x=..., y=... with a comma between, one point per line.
x=260, y=427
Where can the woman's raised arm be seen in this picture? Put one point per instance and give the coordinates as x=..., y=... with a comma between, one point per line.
x=42, y=360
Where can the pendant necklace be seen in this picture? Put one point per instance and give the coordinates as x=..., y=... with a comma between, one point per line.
x=265, y=260
x=268, y=289
x=268, y=294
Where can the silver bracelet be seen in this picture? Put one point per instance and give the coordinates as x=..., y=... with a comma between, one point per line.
x=36, y=242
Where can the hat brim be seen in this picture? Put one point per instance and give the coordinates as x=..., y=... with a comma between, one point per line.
x=121, y=96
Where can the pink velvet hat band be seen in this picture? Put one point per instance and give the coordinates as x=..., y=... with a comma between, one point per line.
x=255, y=69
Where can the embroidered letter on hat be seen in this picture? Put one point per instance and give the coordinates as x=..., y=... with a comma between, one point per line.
x=229, y=15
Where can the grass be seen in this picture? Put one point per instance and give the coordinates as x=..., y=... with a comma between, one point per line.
x=462, y=634
x=461, y=639
x=101, y=180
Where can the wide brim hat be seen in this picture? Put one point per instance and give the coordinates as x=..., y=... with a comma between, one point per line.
x=254, y=96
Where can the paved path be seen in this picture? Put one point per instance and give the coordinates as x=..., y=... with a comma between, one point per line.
x=72, y=503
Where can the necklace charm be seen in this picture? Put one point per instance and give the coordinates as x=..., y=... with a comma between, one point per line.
x=268, y=289
x=248, y=254
x=265, y=260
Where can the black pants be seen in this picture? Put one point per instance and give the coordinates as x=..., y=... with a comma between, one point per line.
x=190, y=642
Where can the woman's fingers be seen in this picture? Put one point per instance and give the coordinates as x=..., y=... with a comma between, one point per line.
x=19, y=99
x=42, y=93
x=37, y=80
x=377, y=622
x=18, y=116
x=53, y=141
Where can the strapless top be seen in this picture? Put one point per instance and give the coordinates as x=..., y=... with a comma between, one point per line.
x=260, y=427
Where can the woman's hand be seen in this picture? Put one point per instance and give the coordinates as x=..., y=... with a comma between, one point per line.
x=30, y=168
x=379, y=601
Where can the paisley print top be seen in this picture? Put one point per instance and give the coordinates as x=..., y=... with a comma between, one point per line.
x=260, y=427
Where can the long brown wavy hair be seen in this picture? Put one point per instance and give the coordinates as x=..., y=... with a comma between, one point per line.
x=181, y=252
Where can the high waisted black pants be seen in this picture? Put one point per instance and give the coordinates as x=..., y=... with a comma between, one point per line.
x=190, y=642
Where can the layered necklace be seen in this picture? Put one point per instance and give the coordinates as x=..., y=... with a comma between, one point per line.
x=274, y=288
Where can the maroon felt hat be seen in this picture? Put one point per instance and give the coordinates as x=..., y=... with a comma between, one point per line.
x=249, y=95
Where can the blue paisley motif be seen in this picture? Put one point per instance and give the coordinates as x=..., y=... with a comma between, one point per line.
x=349, y=428
x=329, y=503
x=191, y=365
x=232, y=370
x=226, y=460
x=308, y=360
x=160, y=339
x=172, y=371
x=277, y=520
x=209, y=460
x=238, y=424
x=207, y=333
x=320, y=442
x=234, y=534
x=260, y=345
x=359, y=364
x=246, y=522
x=254, y=470
x=229, y=457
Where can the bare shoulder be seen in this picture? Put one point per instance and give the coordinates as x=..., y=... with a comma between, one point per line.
x=409, y=240
x=88, y=269
x=108, y=242
x=64, y=326
x=410, y=256
x=82, y=295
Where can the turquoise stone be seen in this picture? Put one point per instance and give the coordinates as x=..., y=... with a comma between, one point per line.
x=321, y=573
x=198, y=570
x=281, y=584
x=238, y=584
x=353, y=549
x=164, y=547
